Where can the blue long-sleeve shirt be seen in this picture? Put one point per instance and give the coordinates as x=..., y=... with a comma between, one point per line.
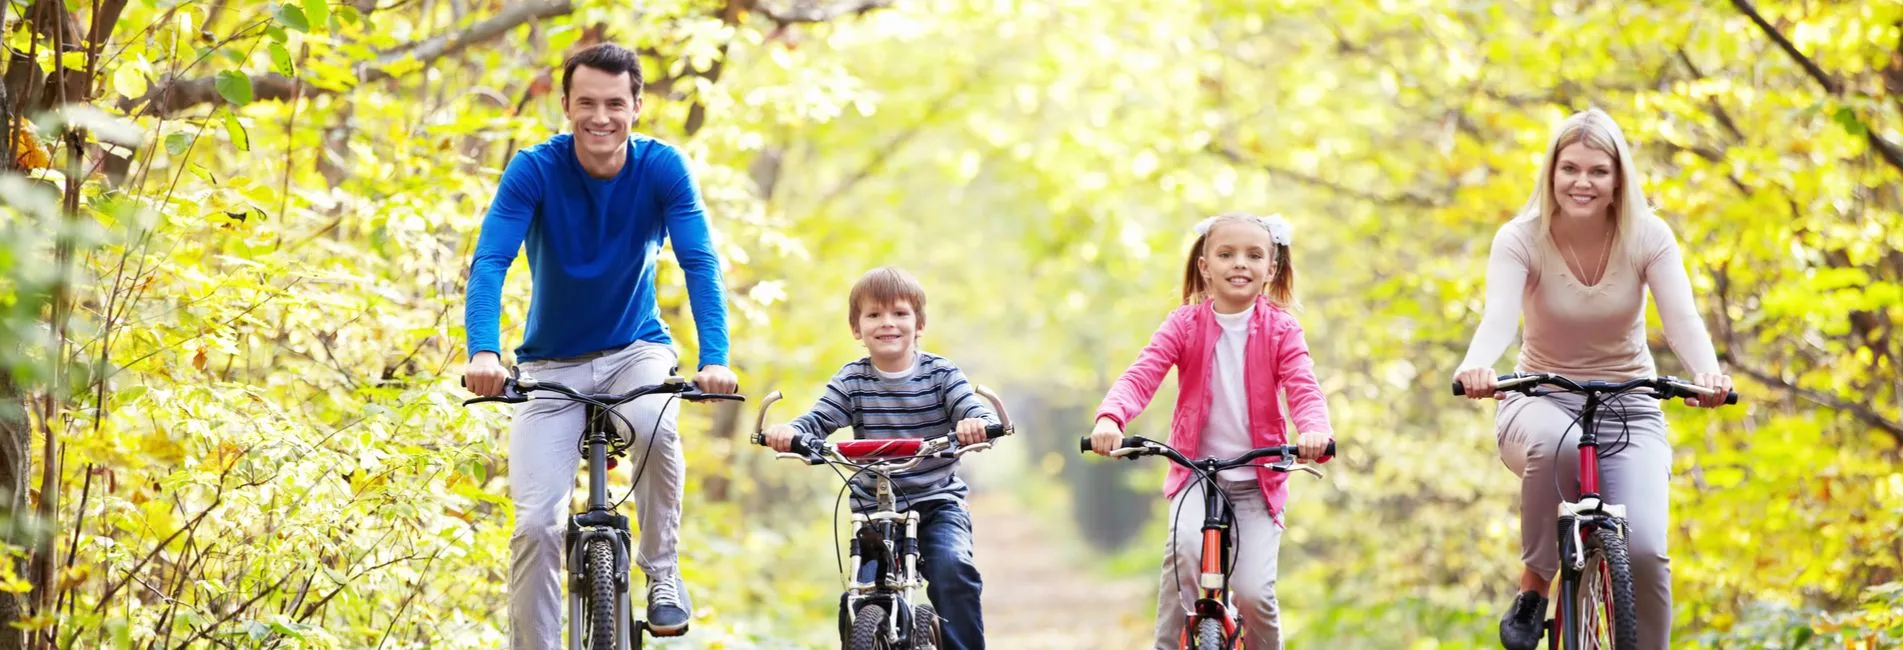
x=592, y=246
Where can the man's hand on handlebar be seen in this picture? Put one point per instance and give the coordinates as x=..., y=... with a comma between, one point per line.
x=780, y=437
x=1106, y=437
x=1719, y=383
x=484, y=375
x=716, y=379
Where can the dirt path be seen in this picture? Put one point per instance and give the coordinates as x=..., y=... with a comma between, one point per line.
x=1037, y=598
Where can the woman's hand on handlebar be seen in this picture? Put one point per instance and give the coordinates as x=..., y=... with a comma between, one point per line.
x=1479, y=383
x=780, y=437
x=1106, y=437
x=1719, y=383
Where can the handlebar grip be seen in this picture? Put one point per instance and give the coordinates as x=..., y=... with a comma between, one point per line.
x=1460, y=390
x=1128, y=442
x=1731, y=397
x=1331, y=449
x=696, y=397
x=758, y=439
x=995, y=431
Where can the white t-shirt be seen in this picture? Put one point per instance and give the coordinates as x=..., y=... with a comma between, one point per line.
x=1226, y=434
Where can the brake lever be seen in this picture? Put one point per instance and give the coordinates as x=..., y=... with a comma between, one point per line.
x=971, y=448
x=1287, y=465
x=1127, y=453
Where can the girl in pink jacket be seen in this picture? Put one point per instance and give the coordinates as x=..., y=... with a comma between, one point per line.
x=1235, y=348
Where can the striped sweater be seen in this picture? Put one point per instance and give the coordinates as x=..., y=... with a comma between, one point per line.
x=927, y=400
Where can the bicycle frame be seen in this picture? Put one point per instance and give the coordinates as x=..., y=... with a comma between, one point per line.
x=884, y=540
x=1213, y=596
x=1579, y=519
x=599, y=520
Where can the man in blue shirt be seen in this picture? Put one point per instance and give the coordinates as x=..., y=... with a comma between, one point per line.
x=594, y=207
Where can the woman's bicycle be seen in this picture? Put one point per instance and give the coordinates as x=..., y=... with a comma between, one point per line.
x=598, y=544
x=1213, y=623
x=1596, y=608
x=877, y=609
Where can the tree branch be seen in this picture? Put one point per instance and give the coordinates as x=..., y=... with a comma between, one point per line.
x=815, y=12
x=1404, y=199
x=1890, y=152
x=179, y=95
x=1862, y=412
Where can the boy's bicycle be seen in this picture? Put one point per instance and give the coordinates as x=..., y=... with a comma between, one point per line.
x=1213, y=622
x=1596, y=609
x=876, y=611
x=598, y=545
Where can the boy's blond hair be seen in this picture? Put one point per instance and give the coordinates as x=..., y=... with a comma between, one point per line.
x=884, y=286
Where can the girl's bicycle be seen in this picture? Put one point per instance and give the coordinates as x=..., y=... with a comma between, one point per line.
x=1213, y=623
x=877, y=609
x=598, y=545
x=1596, y=607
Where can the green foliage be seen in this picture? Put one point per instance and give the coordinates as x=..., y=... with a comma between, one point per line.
x=251, y=369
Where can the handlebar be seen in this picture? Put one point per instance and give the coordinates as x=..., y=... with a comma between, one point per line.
x=1663, y=388
x=517, y=389
x=815, y=449
x=1133, y=446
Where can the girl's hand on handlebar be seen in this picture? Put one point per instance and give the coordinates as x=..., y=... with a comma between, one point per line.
x=1479, y=383
x=1312, y=446
x=1106, y=436
x=1718, y=383
x=780, y=437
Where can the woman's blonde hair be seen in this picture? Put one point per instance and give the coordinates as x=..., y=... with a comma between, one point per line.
x=1595, y=129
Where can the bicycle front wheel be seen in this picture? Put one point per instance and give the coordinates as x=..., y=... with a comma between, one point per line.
x=1607, y=616
x=868, y=629
x=1208, y=635
x=600, y=582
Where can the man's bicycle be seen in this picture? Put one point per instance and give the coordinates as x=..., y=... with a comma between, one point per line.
x=1597, y=610
x=1213, y=623
x=598, y=545
x=877, y=609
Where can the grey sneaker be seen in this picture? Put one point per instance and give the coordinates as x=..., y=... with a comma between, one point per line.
x=669, y=607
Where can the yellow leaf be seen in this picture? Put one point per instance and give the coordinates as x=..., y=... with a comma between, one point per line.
x=31, y=154
x=129, y=81
x=198, y=360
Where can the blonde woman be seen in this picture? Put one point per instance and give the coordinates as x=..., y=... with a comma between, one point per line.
x=1577, y=262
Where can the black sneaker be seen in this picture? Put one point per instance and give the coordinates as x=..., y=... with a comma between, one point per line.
x=668, y=606
x=1525, y=623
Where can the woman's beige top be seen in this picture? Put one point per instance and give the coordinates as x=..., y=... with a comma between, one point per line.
x=1588, y=332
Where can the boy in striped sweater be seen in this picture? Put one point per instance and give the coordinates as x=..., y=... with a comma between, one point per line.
x=897, y=391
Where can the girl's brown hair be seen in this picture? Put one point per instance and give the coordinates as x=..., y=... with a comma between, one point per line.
x=1280, y=290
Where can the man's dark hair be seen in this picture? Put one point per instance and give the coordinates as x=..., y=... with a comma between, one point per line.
x=606, y=57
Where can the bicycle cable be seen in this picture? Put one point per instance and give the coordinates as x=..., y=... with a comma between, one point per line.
x=641, y=467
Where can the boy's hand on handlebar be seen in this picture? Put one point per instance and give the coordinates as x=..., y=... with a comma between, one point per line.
x=1312, y=446
x=780, y=437
x=717, y=379
x=1106, y=436
x=1719, y=383
x=484, y=375
x=1479, y=383
x=971, y=431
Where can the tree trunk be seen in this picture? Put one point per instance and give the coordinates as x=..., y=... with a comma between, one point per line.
x=16, y=441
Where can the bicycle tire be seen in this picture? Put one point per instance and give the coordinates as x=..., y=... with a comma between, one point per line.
x=1209, y=635
x=600, y=581
x=925, y=628
x=1608, y=574
x=868, y=628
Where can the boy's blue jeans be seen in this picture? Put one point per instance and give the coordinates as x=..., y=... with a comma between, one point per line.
x=953, y=584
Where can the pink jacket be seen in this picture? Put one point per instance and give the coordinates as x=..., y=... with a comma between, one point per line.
x=1187, y=340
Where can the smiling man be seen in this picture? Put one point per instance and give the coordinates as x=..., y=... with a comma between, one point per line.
x=594, y=207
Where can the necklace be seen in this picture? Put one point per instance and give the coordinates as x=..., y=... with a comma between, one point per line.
x=1604, y=258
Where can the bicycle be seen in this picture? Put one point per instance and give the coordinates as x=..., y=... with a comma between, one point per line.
x=1213, y=622
x=876, y=611
x=598, y=537
x=1595, y=570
